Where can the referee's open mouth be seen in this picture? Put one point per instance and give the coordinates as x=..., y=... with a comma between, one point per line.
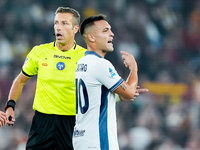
x=58, y=35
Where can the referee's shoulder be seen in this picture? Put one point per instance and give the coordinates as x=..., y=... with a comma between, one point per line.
x=42, y=47
x=80, y=48
x=50, y=45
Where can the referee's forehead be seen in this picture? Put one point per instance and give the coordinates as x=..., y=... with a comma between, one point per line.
x=63, y=17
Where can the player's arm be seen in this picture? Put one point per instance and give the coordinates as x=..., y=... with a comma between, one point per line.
x=15, y=92
x=128, y=89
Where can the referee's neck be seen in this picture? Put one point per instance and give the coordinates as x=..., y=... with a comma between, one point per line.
x=65, y=46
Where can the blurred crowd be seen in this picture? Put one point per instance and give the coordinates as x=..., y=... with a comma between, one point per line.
x=163, y=36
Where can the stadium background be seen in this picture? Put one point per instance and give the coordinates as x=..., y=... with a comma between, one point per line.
x=164, y=37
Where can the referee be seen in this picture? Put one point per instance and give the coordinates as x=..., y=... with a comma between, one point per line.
x=54, y=103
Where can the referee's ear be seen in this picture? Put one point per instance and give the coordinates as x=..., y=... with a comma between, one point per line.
x=76, y=28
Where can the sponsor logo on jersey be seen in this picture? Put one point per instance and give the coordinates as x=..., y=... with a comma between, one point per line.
x=111, y=72
x=81, y=68
x=26, y=60
x=60, y=66
x=44, y=64
x=78, y=133
x=62, y=57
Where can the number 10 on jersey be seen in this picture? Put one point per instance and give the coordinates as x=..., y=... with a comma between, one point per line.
x=81, y=97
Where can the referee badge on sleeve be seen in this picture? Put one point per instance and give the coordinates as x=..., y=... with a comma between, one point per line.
x=26, y=60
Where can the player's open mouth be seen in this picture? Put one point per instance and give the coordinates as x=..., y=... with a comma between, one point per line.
x=110, y=41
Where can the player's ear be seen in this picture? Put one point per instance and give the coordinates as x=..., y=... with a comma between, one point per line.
x=91, y=37
x=75, y=28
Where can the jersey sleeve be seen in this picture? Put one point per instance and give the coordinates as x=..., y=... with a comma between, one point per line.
x=107, y=75
x=30, y=66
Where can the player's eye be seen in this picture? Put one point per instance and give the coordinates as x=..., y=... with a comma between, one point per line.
x=105, y=30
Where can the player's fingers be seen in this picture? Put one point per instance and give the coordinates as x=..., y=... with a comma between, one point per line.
x=123, y=58
x=125, y=53
x=2, y=121
x=125, y=64
x=137, y=94
x=3, y=116
x=142, y=90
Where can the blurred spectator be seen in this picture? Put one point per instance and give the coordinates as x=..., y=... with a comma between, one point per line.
x=6, y=56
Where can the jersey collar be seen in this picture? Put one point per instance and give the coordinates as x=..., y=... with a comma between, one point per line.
x=74, y=46
x=92, y=53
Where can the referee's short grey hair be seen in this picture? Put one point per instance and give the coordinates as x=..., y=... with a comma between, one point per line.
x=75, y=13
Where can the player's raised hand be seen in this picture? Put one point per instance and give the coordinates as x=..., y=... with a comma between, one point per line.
x=139, y=90
x=129, y=61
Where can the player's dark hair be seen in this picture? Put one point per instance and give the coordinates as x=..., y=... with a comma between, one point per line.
x=76, y=15
x=90, y=21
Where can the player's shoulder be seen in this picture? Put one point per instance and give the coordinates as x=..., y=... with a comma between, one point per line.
x=99, y=62
x=103, y=61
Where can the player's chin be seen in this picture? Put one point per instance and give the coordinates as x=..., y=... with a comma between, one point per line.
x=110, y=49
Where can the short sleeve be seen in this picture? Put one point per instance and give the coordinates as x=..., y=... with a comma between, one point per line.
x=30, y=66
x=107, y=75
